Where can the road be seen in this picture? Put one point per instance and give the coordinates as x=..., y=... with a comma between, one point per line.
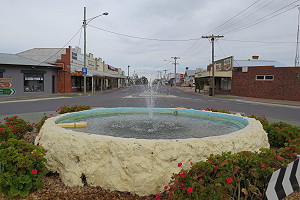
x=140, y=96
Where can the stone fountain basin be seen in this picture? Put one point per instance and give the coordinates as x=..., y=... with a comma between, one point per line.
x=140, y=166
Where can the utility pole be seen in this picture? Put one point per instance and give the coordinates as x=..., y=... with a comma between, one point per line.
x=175, y=64
x=128, y=75
x=165, y=72
x=84, y=50
x=212, y=37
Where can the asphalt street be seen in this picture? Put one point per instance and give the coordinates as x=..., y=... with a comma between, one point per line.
x=33, y=108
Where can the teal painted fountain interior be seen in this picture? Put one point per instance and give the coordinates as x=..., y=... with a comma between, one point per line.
x=167, y=123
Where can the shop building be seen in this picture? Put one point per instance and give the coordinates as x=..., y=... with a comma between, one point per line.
x=70, y=78
x=21, y=76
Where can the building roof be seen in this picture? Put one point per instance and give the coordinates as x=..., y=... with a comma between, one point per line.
x=43, y=54
x=13, y=59
x=256, y=63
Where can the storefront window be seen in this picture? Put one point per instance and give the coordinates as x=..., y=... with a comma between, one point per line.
x=33, y=82
x=1, y=74
x=77, y=81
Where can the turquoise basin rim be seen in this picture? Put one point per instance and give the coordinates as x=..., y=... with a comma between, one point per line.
x=180, y=111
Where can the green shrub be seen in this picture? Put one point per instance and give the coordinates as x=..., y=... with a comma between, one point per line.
x=39, y=125
x=22, y=165
x=280, y=133
x=216, y=110
x=243, y=175
x=14, y=127
x=75, y=108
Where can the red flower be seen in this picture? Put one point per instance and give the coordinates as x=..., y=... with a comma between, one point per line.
x=166, y=187
x=179, y=164
x=1, y=129
x=183, y=188
x=34, y=171
x=262, y=165
x=10, y=125
x=280, y=158
x=6, y=122
x=19, y=133
x=158, y=196
x=289, y=141
x=16, y=116
x=3, y=132
x=189, y=190
x=214, y=166
x=191, y=163
x=34, y=152
x=229, y=180
x=51, y=114
x=182, y=175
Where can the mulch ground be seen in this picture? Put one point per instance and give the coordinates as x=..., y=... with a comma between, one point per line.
x=54, y=189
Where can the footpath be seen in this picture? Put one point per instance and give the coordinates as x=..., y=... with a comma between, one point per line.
x=239, y=98
x=35, y=117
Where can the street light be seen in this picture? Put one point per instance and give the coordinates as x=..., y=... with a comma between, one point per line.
x=85, y=22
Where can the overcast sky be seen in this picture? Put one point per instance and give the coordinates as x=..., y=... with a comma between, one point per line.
x=144, y=33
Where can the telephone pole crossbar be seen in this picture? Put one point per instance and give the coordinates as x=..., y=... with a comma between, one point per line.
x=175, y=64
x=212, y=37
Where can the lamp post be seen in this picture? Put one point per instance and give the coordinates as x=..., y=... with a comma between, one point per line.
x=85, y=22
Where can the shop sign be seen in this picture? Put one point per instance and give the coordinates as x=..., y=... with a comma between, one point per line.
x=7, y=91
x=76, y=73
x=5, y=80
x=2, y=85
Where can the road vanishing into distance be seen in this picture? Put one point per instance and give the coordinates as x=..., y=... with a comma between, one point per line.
x=141, y=96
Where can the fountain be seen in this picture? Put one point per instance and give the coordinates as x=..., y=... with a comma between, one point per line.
x=137, y=149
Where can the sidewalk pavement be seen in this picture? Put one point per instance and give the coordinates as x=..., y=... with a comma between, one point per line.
x=240, y=98
x=35, y=117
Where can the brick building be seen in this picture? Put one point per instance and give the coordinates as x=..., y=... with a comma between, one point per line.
x=70, y=78
x=266, y=82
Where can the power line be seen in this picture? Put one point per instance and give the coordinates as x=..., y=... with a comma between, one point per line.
x=221, y=48
x=144, y=38
x=201, y=50
x=265, y=18
x=256, y=41
x=247, y=16
x=62, y=47
x=233, y=17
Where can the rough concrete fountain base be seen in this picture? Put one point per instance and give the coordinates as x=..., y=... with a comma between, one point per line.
x=138, y=166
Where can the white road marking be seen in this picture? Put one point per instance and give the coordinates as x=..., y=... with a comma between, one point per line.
x=29, y=100
x=268, y=104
